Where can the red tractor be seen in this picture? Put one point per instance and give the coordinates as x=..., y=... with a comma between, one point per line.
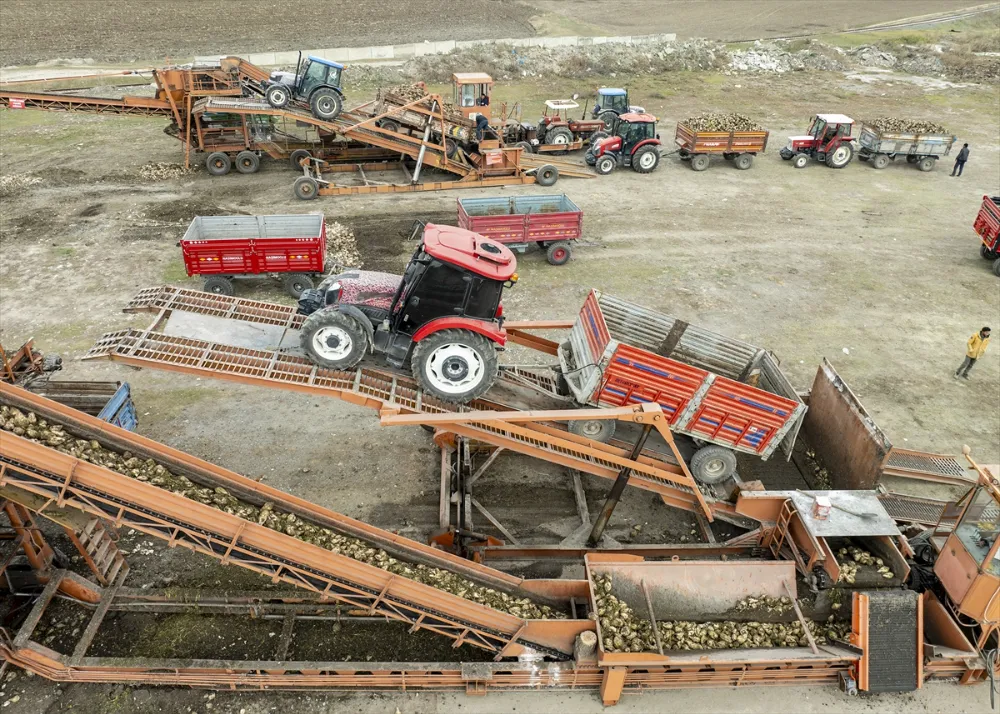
x=829, y=140
x=634, y=143
x=443, y=316
x=556, y=126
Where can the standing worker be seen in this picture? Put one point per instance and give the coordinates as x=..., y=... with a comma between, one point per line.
x=960, y=160
x=975, y=348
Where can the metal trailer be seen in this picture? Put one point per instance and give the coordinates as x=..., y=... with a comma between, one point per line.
x=987, y=226
x=880, y=147
x=724, y=394
x=550, y=222
x=740, y=147
x=224, y=248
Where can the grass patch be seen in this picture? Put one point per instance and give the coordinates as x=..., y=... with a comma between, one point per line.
x=175, y=272
x=64, y=251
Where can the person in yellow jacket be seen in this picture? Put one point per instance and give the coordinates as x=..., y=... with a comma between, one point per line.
x=974, y=349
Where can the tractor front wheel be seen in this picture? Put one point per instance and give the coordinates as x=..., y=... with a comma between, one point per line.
x=604, y=165
x=455, y=366
x=800, y=161
x=326, y=104
x=840, y=157
x=645, y=159
x=277, y=95
x=333, y=339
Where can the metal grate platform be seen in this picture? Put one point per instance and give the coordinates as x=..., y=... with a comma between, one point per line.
x=911, y=509
x=939, y=468
x=892, y=641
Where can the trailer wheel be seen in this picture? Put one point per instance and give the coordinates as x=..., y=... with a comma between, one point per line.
x=927, y=163
x=247, y=162
x=546, y=175
x=218, y=285
x=325, y=104
x=558, y=253
x=594, y=429
x=298, y=156
x=911, y=159
x=389, y=125
x=296, y=283
x=800, y=161
x=333, y=339
x=605, y=165
x=840, y=157
x=743, y=161
x=713, y=464
x=645, y=159
x=699, y=162
x=879, y=161
x=986, y=253
x=218, y=163
x=684, y=155
x=996, y=267
x=455, y=365
x=306, y=188
x=277, y=95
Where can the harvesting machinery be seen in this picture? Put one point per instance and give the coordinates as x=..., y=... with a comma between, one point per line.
x=316, y=82
x=443, y=316
x=634, y=143
x=829, y=140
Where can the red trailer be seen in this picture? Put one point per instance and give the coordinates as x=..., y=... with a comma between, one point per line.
x=550, y=222
x=726, y=395
x=223, y=248
x=987, y=225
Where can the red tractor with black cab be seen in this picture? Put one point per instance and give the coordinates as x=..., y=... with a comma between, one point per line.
x=443, y=316
x=829, y=140
x=634, y=143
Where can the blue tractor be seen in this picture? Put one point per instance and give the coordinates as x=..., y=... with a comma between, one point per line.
x=316, y=82
x=610, y=104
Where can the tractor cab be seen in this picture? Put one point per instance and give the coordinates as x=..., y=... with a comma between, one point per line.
x=611, y=103
x=826, y=127
x=472, y=92
x=443, y=314
x=634, y=143
x=316, y=81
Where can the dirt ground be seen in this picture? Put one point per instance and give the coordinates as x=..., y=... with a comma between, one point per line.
x=132, y=30
x=878, y=271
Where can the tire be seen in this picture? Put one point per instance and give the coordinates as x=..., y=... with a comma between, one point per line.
x=645, y=160
x=840, y=157
x=699, y=162
x=597, y=136
x=450, y=148
x=455, y=366
x=743, y=161
x=799, y=161
x=298, y=156
x=389, y=125
x=278, y=96
x=525, y=146
x=558, y=253
x=996, y=267
x=594, y=429
x=247, y=162
x=911, y=159
x=218, y=163
x=986, y=253
x=218, y=285
x=605, y=165
x=559, y=135
x=296, y=283
x=332, y=339
x=609, y=118
x=879, y=161
x=306, y=188
x=547, y=175
x=326, y=104
x=927, y=163
x=713, y=464
x=684, y=155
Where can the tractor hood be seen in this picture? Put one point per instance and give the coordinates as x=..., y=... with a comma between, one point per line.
x=367, y=288
x=283, y=77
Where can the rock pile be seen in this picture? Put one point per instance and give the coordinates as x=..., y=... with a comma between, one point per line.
x=722, y=122
x=159, y=171
x=905, y=126
x=29, y=425
x=623, y=631
x=341, y=246
x=14, y=184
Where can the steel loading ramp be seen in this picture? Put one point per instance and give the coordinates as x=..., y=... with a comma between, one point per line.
x=395, y=395
x=68, y=482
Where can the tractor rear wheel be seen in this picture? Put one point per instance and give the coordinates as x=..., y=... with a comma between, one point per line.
x=277, y=95
x=325, y=104
x=800, y=161
x=296, y=283
x=306, y=188
x=879, y=161
x=594, y=429
x=247, y=162
x=558, y=253
x=455, y=365
x=218, y=163
x=713, y=464
x=560, y=136
x=645, y=159
x=840, y=157
x=333, y=339
x=218, y=285
x=609, y=118
x=298, y=156
x=597, y=136
x=605, y=165
x=927, y=163
x=699, y=162
x=547, y=175
x=743, y=161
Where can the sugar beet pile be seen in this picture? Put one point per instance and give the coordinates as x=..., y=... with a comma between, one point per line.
x=905, y=126
x=722, y=122
x=624, y=631
x=30, y=426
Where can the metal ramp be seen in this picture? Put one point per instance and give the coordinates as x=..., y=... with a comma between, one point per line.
x=939, y=468
x=887, y=621
x=136, y=106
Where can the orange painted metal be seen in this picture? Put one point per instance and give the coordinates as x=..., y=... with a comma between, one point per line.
x=859, y=635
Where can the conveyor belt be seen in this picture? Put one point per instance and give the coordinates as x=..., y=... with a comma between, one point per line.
x=106, y=494
x=939, y=468
x=910, y=509
x=142, y=106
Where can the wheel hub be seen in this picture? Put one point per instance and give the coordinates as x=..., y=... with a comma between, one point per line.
x=455, y=368
x=592, y=428
x=332, y=343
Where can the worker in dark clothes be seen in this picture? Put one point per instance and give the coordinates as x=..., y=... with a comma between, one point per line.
x=960, y=160
x=482, y=124
x=974, y=349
